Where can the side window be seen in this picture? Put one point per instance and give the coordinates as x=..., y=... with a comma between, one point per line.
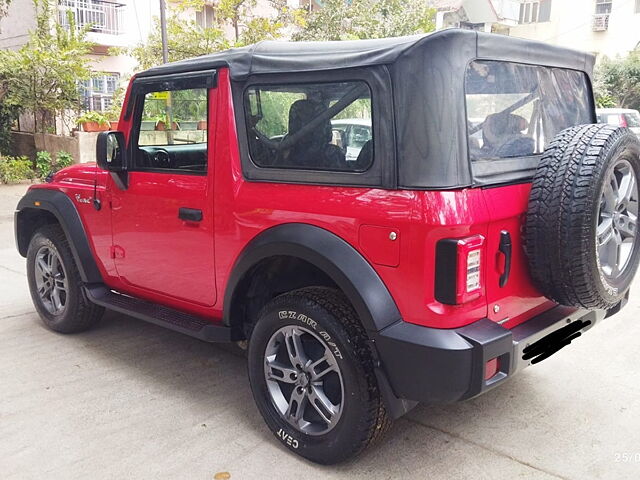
x=173, y=131
x=319, y=126
x=515, y=110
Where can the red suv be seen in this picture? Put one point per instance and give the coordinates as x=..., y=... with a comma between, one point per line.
x=483, y=222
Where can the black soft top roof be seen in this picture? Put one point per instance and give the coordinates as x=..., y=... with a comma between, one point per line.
x=279, y=56
x=423, y=74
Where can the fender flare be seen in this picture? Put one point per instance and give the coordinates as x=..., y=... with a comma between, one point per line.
x=331, y=254
x=64, y=210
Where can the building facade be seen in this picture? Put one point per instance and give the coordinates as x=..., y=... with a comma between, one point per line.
x=608, y=28
x=118, y=23
x=604, y=27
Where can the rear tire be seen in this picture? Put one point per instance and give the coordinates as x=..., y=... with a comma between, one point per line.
x=325, y=326
x=581, y=229
x=55, y=284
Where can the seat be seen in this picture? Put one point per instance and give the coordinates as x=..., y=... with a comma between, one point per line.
x=313, y=150
x=503, y=138
x=365, y=157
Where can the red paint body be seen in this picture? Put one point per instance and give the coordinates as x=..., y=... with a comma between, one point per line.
x=144, y=250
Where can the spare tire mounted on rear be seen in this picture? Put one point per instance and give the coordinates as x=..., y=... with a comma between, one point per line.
x=581, y=229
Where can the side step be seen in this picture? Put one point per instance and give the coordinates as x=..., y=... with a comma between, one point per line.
x=159, y=315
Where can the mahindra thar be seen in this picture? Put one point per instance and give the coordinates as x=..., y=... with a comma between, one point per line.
x=379, y=222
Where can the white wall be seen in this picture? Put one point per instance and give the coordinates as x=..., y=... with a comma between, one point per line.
x=571, y=26
x=14, y=28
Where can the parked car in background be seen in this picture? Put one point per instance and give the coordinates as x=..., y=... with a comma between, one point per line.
x=352, y=133
x=621, y=117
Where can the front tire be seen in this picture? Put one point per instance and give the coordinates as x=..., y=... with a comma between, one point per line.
x=312, y=376
x=55, y=284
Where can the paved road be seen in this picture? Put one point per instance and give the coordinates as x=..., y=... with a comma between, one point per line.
x=131, y=400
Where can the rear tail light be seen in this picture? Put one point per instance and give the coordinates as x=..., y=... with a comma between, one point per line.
x=459, y=277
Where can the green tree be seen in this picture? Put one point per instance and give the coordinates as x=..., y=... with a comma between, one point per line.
x=617, y=82
x=363, y=19
x=187, y=39
x=42, y=77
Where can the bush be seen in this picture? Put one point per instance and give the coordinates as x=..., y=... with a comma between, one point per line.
x=63, y=159
x=44, y=164
x=15, y=169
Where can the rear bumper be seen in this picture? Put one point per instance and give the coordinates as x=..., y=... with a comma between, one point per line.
x=442, y=366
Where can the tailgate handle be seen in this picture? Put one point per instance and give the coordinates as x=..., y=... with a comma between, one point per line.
x=190, y=214
x=505, y=249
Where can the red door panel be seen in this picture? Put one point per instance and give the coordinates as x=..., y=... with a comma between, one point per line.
x=157, y=251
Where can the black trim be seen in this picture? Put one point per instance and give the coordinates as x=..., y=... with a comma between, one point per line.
x=63, y=208
x=505, y=248
x=446, y=271
x=206, y=79
x=166, y=317
x=442, y=366
x=190, y=214
x=329, y=253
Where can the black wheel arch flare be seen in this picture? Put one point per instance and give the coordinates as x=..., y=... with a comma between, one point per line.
x=40, y=200
x=341, y=262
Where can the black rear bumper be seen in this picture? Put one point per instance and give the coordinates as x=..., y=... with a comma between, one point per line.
x=443, y=366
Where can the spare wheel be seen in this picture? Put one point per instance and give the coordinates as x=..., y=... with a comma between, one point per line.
x=581, y=228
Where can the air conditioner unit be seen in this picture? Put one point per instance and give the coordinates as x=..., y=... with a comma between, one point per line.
x=600, y=22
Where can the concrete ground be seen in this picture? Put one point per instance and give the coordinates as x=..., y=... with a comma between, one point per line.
x=132, y=400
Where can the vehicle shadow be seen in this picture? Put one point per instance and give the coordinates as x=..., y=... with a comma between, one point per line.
x=212, y=381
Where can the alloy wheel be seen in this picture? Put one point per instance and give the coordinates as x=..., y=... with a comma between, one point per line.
x=617, y=221
x=51, y=280
x=304, y=380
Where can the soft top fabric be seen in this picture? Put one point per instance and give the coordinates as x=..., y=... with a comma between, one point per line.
x=280, y=56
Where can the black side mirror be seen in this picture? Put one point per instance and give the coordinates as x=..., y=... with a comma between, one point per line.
x=111, y=151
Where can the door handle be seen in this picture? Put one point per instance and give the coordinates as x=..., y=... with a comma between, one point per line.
x=505, y=249
x=190, y=214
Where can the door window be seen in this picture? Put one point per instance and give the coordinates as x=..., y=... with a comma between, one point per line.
x=305, y=126
x=173, y=131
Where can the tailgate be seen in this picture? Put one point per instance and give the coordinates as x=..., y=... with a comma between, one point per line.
x=517, y=299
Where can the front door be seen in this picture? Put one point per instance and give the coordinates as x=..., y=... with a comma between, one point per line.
x=163, y=221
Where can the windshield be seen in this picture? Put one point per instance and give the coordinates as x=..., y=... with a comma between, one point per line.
x=515, y=110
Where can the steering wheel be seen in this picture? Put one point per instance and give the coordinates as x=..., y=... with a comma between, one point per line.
x=162, y=159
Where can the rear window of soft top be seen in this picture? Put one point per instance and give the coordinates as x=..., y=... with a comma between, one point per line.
x=513, y=112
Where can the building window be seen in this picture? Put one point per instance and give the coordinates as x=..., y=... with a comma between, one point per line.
x=603, y=6
x=206, y=17
x=97, y=93
x=535, y=11
x=637, y=6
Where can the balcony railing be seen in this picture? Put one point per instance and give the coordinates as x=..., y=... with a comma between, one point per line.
x=101, y=16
